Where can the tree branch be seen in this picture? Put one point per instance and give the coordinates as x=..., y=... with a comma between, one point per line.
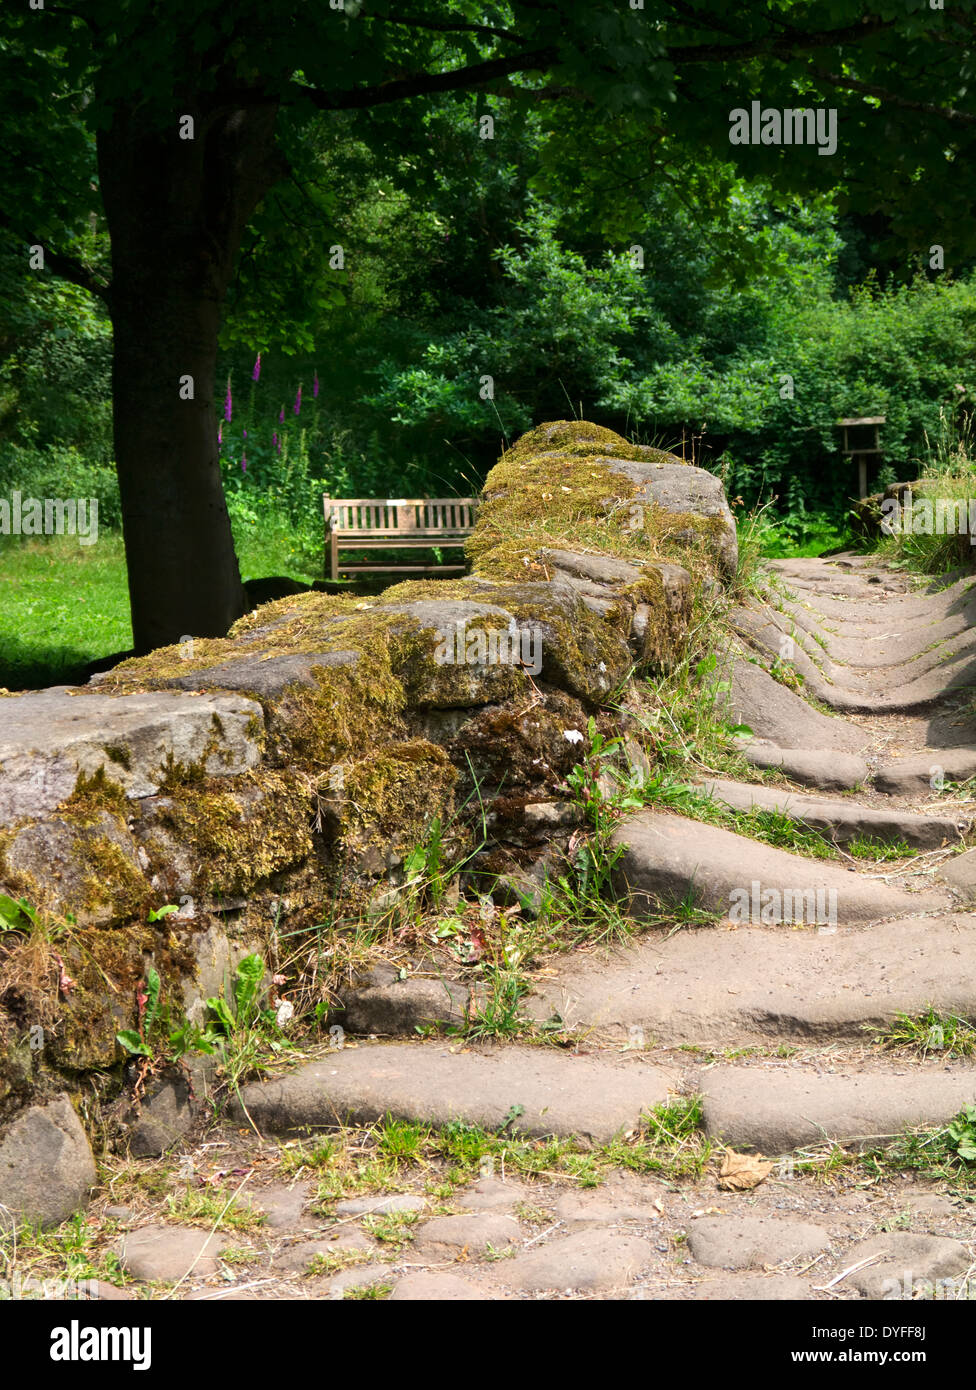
x=785, y=44
x=852, y=84
x=64, y=266
x=425, y=83
x=448, y=27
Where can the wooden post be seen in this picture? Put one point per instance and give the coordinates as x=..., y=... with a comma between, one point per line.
x=331, y=548
x=858, y=450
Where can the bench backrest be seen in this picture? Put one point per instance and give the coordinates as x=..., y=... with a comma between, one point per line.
x=374, y=516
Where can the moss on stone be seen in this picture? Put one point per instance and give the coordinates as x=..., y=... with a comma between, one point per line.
x=91, y=797
x=240, y=836
x=348, y=707
x=110, y=881
x=119, y=753
x=557, y=488
x=390, y=798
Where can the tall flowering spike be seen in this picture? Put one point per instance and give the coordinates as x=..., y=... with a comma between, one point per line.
x=256, y=374
x=228, y=403
x=220, y=433
x=244, y=462
x=245, y=434
x=315, y=385
x=298, y=402
x=281, y=417
x=274, y=439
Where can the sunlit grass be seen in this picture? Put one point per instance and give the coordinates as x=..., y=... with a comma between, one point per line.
x=63, y=604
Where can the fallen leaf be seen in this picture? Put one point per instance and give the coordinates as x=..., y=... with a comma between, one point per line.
x=740, y=1172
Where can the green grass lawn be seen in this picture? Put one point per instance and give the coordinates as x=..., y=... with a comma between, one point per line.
x=63, y=605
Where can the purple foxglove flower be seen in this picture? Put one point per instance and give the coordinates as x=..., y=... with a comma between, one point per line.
x=274, y=439
x=228, y=403
x=244, y=462
x=220, y=432
x=315, y=385
x=298, y=402
x=281, y=416
x=255, y=375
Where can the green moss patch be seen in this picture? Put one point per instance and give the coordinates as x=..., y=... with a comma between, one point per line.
x=557, y=488
x=389, y=799
x=239, y=837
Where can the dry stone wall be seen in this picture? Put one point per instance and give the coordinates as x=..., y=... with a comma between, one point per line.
x=268, y=775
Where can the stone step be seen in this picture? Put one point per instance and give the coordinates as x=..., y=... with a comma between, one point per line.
x=824, y=768
x=879, y=604
x=777, y=1108
x=916, y=682
x=843, y=820
x=725, y=987
x=921, y=772
x=668, y=858
x=778, y=715
x=537, y=1091
x=911, y=633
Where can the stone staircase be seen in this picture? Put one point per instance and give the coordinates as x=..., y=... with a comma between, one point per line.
x=767, y=1012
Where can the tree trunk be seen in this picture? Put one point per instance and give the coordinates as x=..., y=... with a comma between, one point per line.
x=176, y=210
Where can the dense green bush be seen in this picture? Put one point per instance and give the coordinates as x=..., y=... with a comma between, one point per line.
x=62, y=472
x=725, y=327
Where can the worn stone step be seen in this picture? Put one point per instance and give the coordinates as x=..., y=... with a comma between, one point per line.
x=960, y=874
x=878, y=605
x=724, y=986
x=777, y=1109
x=779, y=715
x=824, y=768
x=905, y=633
x=843, y=821
x=917, y=681
x=921, y=772
x=667, y=859
x=537, y=1091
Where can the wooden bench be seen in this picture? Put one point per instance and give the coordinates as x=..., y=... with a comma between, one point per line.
x=414, y=523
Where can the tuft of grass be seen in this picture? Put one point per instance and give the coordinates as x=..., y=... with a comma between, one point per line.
x=879, y=851
x=672, y=1141
x=208, y=1206
x=365, y=1292
x=755, y=532
x=70, y=1251
x=334, y=1261
x=297, y=1156
x=497, y=1012
x=946, y=1034
x=391, y=1228
x=401, y=1141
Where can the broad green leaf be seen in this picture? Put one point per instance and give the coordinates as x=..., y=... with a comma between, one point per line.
x=131, y=1041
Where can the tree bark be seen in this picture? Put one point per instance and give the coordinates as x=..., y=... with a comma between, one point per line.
x=176, y=211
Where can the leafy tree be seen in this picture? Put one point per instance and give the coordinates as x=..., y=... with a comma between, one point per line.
x=101, y=101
